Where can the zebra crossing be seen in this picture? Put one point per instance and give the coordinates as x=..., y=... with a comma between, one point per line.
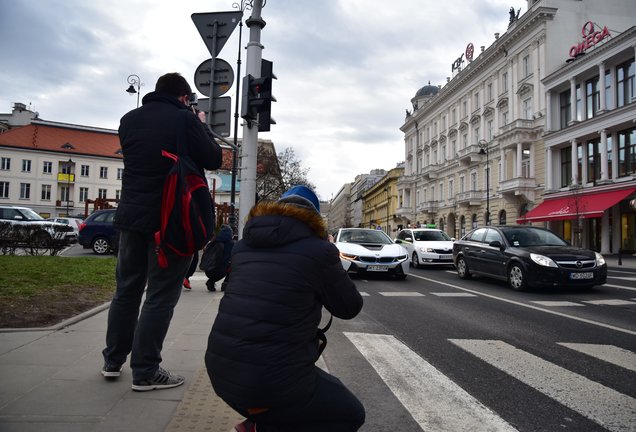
x=413, y=380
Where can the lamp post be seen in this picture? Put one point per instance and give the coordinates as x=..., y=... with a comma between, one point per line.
x=388, y=203
x=68, y=184
x=484, y=150
x=134, y=80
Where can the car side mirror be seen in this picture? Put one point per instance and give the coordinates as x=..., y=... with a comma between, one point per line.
x=496, y=243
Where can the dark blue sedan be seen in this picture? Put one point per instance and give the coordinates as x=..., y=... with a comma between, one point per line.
x=98, y=233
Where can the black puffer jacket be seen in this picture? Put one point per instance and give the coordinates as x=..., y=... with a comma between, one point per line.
x=263, y=346
x=143, y=133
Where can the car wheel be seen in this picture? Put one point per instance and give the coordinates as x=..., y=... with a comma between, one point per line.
x=101, y=246
x=516, y=277
x=414, y=261
x=462, y=268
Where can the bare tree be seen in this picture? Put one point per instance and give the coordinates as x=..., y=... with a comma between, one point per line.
x=276, y=174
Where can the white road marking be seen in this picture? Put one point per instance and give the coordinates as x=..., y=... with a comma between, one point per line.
x=609, y=408
x=608, y=353
x=610, y=302
x=453, y=294
x=529, y=306
x=401, y=294
x=321, y=364
x=557, y=303
x=435, y=402
x=364, y=294
x=619, y=287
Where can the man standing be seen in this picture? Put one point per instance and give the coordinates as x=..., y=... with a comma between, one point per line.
x=143, y=134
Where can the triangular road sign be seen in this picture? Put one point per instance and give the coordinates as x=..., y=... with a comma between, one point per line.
x=226, y=23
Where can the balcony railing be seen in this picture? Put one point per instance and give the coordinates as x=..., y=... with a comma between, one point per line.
x=429, y=206
x=469, y=155
x=471, y=198
x=65, y=178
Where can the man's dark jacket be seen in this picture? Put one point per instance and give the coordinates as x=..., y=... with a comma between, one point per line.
x=263, y=344
x=143, y=134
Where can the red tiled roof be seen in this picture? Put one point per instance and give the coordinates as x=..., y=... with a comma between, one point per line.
x=54, y=138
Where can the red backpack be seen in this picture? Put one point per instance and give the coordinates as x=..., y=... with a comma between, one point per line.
x=187, y=211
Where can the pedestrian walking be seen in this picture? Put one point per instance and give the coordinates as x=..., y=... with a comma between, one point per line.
x=144, y=133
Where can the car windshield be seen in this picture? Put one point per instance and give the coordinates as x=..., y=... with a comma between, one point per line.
x=364, y=236
x=431, y=236
x=30, y=214
x=533, y=237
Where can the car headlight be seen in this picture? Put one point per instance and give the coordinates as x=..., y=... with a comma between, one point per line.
x=402, y=257
x=426, y=250
x=599, y=259
x=347, y=256
x=542, y=260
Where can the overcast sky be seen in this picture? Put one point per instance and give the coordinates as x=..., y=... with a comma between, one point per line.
x=347, y=69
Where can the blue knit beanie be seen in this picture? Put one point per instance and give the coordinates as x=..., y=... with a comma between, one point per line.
x=302, y=196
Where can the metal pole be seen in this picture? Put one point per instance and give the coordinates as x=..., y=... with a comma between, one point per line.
x=487, y=189
x=250, y=132
x=68, y=184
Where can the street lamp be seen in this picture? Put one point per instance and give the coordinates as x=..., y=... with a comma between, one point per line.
x=134, y=80
x=388, y=203
x=68, y=184
x=484, y=150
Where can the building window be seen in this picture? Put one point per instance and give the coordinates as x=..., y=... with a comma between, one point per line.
x=593, y=97
x=64, y=193
x=118, y=194
x=608, y=89
x=625, y=92
x=626, y=152
x=25, y=190
x=489, y=130
x=579, y=104
x=473, y=181
x=120, y=173
x=477, y=104
x=453, y=116
x=4, y=189
x=489, y=94
x=593, y=160
x=502, y=217
x=46, y=192
x=504, y=82
x=101, y=193
x=103, y=172
x=464, y=109
x=5, y=164
x=565, y=108
x=566, y=166
x=527, y=109
x=526, y=66
x=433, y=192
x=504, y=118
x=451, y=190
x=26, y=165
x=47, y=168
x=84, y=171
x=462, y=186
x=464, y=140
x=83, y=194
x=476, y=136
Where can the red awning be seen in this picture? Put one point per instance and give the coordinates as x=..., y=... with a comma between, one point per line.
x=577, y=205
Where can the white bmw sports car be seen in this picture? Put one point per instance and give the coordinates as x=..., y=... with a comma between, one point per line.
x=368, y=251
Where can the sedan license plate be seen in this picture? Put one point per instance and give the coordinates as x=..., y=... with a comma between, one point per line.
x=585, y=275
x=445, y=257
x=378, y=268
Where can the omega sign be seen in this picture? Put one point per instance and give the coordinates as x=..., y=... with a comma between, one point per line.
x=591, y=37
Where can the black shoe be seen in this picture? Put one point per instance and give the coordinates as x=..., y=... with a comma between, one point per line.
x=211, y=286
x=111, y=371
x=162, y=380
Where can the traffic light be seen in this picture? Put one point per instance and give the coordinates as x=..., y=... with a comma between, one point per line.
x=257, y=98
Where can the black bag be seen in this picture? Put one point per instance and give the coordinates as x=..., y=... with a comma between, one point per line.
x=187, y=213
x=212, y=258
x=321, y=335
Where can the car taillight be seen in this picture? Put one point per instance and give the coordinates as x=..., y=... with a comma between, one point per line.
x=82, y=225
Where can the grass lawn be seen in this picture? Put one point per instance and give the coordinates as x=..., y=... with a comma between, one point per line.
x=39, y=291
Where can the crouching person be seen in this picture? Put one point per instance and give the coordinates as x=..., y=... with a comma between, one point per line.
x=265, y=340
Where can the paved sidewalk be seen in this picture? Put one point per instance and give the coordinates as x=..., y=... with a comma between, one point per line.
x=50, y=380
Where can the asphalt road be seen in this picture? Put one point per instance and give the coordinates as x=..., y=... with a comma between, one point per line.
x=437, y=353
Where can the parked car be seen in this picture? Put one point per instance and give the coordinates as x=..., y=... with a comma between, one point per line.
x=23, y=226
x=527, y=257
x=98, y=233
x=364, y=250
x=427, y=246
x=74, y=223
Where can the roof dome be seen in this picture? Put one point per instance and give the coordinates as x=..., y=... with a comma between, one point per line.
x=427, y=90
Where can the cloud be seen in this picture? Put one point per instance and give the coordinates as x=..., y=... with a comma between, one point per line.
x=347, y=69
